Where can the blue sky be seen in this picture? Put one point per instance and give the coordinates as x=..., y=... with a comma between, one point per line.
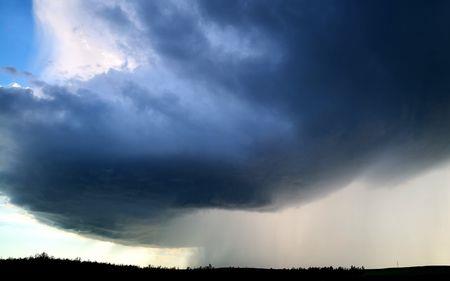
x=18, y=44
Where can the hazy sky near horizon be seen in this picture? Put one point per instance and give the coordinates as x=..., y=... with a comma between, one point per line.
x=243, y=133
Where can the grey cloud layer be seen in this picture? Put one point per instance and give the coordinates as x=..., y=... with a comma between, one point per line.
x=285, y=99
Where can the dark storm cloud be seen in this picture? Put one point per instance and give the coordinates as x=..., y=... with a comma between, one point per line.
x=359, y=83
x=81, y=164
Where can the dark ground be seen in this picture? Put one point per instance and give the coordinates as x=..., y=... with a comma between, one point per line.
x=44, y=265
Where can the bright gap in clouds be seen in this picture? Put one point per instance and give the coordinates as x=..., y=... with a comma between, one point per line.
x=21, y=235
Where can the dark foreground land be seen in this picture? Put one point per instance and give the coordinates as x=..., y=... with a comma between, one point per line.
x=44, y=265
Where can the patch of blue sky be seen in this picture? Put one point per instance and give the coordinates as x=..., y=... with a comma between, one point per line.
x=17, y=39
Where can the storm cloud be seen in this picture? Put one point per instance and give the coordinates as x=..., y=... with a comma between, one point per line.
x=250, y=105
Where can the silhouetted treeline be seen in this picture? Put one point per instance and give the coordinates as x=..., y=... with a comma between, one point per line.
x=50, y=266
